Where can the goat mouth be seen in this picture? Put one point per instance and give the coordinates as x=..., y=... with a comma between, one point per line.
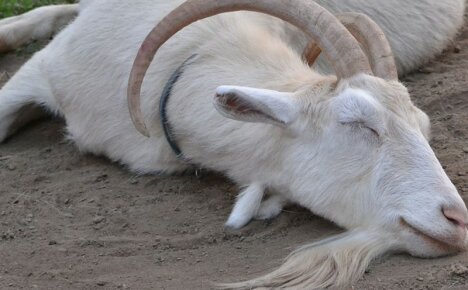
x=442, y=245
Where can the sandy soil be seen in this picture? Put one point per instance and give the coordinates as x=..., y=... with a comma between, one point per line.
x=73, y=221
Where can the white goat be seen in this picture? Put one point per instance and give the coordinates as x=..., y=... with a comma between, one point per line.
x=353, y=150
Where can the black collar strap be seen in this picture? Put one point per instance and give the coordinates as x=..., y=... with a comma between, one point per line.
x=163, y=107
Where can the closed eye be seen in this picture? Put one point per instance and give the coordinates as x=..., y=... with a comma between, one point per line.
x=361, y=126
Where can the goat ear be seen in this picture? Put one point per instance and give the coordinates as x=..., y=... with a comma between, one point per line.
x=256, y=105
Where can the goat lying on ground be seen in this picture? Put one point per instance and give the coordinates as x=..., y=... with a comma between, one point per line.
x=351, y=148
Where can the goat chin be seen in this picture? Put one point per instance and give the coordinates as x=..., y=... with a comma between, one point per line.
x=336, y=261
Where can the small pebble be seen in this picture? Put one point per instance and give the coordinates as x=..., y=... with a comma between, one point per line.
x=459, y=270
x=3, y=158
x=98, y=219
x=47, y=150
x=52, y=242
x=62, y=250
x=465, y=149
x=68, y=215
x=426, y=70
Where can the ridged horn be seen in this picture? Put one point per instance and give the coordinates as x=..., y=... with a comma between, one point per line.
x=339, y=46
x=372, y=38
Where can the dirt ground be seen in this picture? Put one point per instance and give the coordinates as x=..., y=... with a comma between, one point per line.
x=74, y=221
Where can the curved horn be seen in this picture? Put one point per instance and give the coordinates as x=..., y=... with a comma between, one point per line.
x=338, y=44
x=373, y=39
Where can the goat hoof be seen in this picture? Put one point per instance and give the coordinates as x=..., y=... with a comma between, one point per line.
x=236, y=223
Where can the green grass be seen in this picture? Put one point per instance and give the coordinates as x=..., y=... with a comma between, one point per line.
x=14, y=7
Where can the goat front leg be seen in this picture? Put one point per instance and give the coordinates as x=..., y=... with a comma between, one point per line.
x=271, y=207
x=23, y=96
x=40, y=23
x=246, y=207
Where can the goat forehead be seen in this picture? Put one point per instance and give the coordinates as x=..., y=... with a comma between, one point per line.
x=392, y=107
x=392, y=94
x=394, y=100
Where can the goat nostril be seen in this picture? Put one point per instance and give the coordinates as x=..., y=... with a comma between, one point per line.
x=453, y=221
x=457, y=217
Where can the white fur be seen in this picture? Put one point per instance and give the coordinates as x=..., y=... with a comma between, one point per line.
x=271, y=207
x=247, y=205
x=355, y=152
x=428, y=26
x=351, y=252
x=40, y=23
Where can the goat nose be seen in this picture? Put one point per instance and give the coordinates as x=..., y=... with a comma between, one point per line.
x=457, y=216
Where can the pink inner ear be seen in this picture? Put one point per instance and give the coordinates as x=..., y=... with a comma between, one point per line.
x=236, y=106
